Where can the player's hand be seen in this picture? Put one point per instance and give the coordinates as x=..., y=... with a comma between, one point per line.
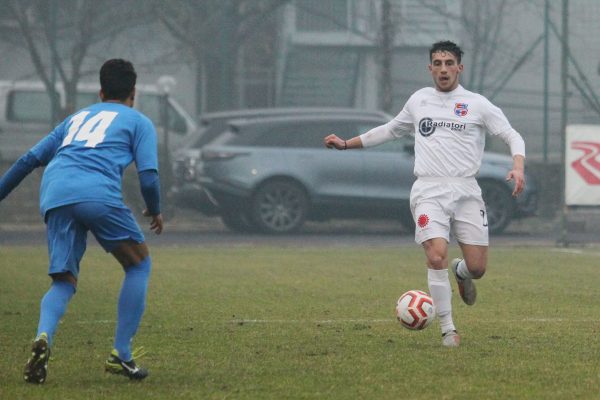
x=156, y=223
x=519, y=177
x=334, y=142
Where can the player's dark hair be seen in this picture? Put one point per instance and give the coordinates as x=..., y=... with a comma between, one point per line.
x=448, y=46
x=117, y=79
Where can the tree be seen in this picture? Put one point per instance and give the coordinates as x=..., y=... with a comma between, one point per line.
x=387, y=53
x=491, y=51
x=212, y=33
x=58, y=35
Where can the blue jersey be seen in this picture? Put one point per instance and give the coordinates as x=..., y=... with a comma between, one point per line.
x=88, y=152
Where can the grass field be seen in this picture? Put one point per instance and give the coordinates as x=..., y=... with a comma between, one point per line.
x=311, y=323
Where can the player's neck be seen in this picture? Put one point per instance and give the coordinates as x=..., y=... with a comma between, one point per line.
x=127, y=102
x=447, y=91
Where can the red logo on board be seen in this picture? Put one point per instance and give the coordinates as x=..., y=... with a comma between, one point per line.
x=588, y=165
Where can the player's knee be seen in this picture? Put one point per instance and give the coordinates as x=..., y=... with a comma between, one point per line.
x=130, y=253
x=436, y=261
x=477, y=271
x=65, y=277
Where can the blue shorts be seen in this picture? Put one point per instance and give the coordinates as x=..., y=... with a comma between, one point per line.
x=67, y=228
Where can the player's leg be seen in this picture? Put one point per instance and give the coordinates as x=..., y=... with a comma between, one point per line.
x=136, y=262
x=474, y=263
x=432, y=232
x=436, y=251
x=118, y=233
x=470, y=228
x=66, y=245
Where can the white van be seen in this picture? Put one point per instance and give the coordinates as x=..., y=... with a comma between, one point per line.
x=25, y=114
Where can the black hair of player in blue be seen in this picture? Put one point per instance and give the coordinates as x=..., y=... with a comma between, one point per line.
x=117, y=79
x=448, y=46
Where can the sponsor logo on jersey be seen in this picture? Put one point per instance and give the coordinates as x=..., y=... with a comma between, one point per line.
x=427, y=126
x=461, y=109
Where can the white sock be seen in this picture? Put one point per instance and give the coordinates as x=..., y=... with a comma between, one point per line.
x=462, y=271
x=441, y=293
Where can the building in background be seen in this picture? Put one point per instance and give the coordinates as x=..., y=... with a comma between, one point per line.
x=331, y=51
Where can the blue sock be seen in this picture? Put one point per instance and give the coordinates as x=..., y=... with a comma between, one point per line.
x=132, y=302
x=53, y=307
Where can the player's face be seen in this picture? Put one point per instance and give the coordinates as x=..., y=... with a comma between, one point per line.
x=445, y=70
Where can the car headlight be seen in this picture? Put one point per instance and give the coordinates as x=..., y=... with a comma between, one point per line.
x=189, y=169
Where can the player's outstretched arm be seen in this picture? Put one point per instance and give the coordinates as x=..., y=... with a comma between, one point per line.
x=334, y=142
x=17, y=172
x=517, y=173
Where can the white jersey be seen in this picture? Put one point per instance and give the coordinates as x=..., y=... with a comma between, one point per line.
x=449, y=130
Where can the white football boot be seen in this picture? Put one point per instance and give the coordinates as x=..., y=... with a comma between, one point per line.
x=451, y=339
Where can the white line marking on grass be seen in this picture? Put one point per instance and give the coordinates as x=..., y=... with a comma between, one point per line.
x=349, y=321
x=559, y=320
x=576, y=251
x=305, y=321
x=379, y=321
x=96, y=321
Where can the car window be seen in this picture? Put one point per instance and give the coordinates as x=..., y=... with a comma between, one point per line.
x=311, y=135
x=293, y=134
x=29, y=106
x=298, y=134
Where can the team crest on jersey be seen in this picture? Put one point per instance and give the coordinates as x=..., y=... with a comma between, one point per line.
x=461, y=109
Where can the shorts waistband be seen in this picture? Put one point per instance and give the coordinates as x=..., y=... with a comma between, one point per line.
x=447, y=179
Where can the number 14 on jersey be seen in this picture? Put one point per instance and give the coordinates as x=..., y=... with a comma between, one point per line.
x=92, y=131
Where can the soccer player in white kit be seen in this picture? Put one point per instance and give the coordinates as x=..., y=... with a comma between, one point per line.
x=449, y=124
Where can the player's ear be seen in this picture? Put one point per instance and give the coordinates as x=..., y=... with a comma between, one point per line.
x=460, y=67
x=132, y=97
x=101, y=95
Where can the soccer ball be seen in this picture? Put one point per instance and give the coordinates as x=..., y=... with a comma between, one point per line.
x=415, y=310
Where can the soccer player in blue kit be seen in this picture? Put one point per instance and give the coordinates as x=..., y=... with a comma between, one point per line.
x=85, y=157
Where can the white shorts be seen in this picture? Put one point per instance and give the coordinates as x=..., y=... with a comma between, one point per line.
x=443, y=205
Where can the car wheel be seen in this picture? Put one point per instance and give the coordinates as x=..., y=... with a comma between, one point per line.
x=499, y=204
x=237, y=221
x=279, y=207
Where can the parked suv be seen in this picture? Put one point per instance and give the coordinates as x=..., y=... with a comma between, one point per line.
x=186, y=190
x=273, y=174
